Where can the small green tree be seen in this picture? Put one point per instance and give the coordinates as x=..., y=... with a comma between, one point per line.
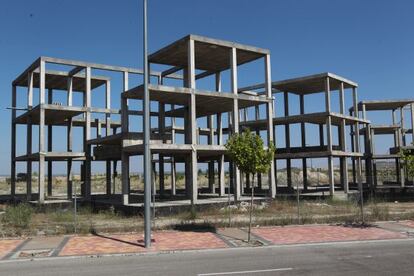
x=247, y=151
x=407, y=156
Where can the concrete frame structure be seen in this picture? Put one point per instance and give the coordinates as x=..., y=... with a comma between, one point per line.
x=78, y=79
x=398, y=129
x=210, y=57
x=187, y=61
x=196, y=57
x=321, y=83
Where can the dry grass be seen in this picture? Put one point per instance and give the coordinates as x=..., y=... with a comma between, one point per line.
x=278, y=212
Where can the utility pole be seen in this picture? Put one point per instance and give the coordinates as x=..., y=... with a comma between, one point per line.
x=147, y=153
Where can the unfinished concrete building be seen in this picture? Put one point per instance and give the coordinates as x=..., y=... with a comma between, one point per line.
x=99, y=109
x=325, y=120
x=74, y=77
x=399, y=127
x=196, y=58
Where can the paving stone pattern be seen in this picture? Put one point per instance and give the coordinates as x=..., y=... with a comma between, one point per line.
x=322, y=233
x=187, y=240
x=7, y=246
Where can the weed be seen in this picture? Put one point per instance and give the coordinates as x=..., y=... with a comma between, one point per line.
x=379, y=212
x=18, y=216
x=62, y=216
x=191, y=215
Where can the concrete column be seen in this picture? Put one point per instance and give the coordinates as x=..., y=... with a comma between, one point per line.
x=396, y=133
x=187, y=160
x=161, y=126
x=192, y=122
x=368, y=149
x=235, y=117
x=49, y=148
x=270, y=127
x=29, y=136
x=87, y=147
x=41, y=178
x=108, y=132
x=321, y=135
x=173, y=177
x=115, y=174
x=247, y=181
x=108, y=175
x=329, y=138
x=403, y=143
x=353, y=150
x=154, y=179
x=287, y=141
x=401, y=167
x=125, y=178
x=69, y=177
x=69, y=173
x=108, y=106
x=374, y=165
x=13, y=145
x=259, y=175
x=303, y=136
x=219, y=127
x=173, y=167
x=344, y=163
x=124, y=155
x=356, y=137
x=402, y=126
x=396, y=144
x=211, y=184
x=29, y=163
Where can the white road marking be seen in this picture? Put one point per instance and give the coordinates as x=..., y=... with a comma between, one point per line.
x=247, y=271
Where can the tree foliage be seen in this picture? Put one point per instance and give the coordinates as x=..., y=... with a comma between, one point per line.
x=247, y=151
x=407, y=155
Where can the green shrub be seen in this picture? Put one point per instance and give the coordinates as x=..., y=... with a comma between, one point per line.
x=62, y=216
x=18, y=216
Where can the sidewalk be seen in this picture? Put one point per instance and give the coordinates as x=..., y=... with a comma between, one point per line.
x=165, y=241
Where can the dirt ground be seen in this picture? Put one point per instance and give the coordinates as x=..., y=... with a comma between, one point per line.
x=276, y=212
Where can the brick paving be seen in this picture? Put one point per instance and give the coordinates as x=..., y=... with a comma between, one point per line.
x=322, y=233
x=186, y=240
x=6, y=246
x=133, y=243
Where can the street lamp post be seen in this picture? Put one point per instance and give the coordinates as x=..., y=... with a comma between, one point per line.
x=147, y=154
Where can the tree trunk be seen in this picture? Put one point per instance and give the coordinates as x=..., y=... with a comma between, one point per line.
x=251, y=210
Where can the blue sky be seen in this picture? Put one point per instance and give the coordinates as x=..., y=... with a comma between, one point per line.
x=370, y=42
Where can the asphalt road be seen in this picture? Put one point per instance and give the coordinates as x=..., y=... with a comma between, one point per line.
x=356, y=258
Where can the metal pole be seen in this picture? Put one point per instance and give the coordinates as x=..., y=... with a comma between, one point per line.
x=147, y=154
x=75, y=209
